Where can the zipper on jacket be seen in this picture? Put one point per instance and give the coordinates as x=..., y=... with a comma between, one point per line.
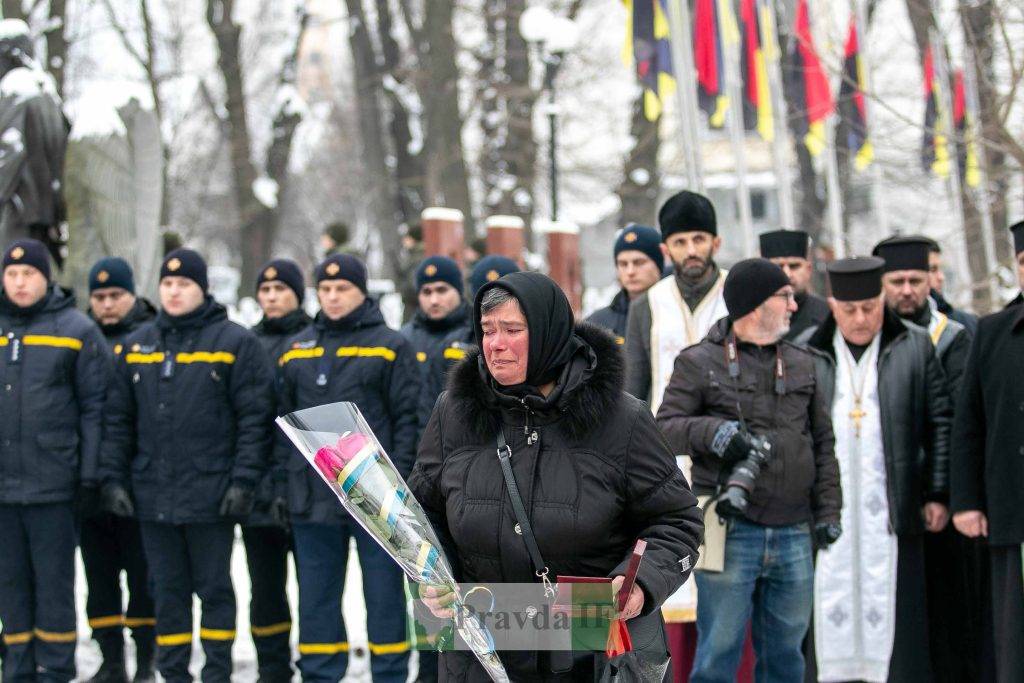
x=532, y=437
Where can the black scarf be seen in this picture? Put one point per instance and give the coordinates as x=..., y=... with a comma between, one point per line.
x=694, y=291
x=550, y=322
x=289, y=323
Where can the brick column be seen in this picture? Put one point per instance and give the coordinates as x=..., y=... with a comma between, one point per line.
x=442, y=233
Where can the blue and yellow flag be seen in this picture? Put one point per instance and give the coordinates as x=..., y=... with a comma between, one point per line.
x=647, y=43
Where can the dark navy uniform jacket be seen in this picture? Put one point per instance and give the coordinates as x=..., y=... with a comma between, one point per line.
x=189, y=412
x=54, y=367
x=438, y=345
x=359, y=359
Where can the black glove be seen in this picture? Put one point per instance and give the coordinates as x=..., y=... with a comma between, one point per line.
x=733, y=444
x=116, y=500
x=87, y=502
x=827, y=533
x=279, y=511
x=238, y=501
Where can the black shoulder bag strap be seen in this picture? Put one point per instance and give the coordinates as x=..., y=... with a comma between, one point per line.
x=523, y=520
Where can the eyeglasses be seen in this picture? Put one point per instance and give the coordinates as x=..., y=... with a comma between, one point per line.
x=788, y=296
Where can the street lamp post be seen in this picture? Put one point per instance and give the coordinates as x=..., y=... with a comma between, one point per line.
x=553, y=36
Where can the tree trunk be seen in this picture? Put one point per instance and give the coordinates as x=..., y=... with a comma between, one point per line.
x=57, y=44
x=641, y=179
x=385, y=215
x=12, y=10
x=256, y=221
x=447, y=179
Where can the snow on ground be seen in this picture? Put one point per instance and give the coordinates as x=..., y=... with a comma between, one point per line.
x=88, y=656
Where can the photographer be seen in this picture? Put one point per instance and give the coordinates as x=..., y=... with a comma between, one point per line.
x=746, y=406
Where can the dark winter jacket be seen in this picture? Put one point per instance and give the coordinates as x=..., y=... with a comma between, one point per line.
x=359, y=359
x=54, y=367
x=437, y=344
x=987, y=468
x=142, y=312
x=613, y=317
x=598, y=476
x=916, y=417
x=968, y=320
x=810, y=313
x=189, y=413
x=801, y=482
x=273, y=335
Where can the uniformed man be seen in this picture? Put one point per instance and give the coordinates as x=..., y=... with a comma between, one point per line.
x=54, y=368
x=442, y=316
x=791, y=251
x=988, y=466
x=676, y=312
x=186, y=441
x=110, y=543
x=937, y=283
x=639, y=263
x=348, y=354
x=280, y=290
x=956, y=566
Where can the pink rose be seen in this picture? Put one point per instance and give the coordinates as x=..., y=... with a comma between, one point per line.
x=331, y=460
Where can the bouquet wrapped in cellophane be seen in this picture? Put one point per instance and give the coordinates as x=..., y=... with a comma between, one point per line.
x=342, y=449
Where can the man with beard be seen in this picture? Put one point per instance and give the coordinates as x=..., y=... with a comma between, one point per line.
x=749, y=408
x=280, y=290
x=676, y=312
x=441, y=317
x=891, y=417
x=639, y=262
x=347, y=354
x=937, y=282
x=988, y=466
x=957, y=573
x=110, y=543
x=791, y=251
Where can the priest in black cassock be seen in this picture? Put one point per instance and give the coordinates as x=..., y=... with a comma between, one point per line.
x=959, y=621
x=891, y=417
x=988, y=467
x=790, y=250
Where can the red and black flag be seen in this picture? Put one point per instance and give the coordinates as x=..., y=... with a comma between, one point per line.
x=964, y=124
x=757, y=101
x=813, y=92
x=709, y=62
x=934, y=153
x=647, y=41
x=851, y=102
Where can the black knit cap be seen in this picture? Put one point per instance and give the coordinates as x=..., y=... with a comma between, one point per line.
x=286, y=271
x=489, y=269
x=438, y=269
x=785, y=244
x=111, y=271
x=856, y=279
x=903, y=253
x=749, y=284
x=687, y=212
x=642, y=238
x=185, y=263
x=342, y=267
x=28, y=252
x=1018, y=237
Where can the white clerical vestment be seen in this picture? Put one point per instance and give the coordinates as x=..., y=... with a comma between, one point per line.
x=855, y=578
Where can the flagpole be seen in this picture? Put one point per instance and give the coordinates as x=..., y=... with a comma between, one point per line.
x=835, y=200
x=681, y=44
x=981, y=192
x=781, y=140
x=877, y=201
x=945, y=122
x=729, y=37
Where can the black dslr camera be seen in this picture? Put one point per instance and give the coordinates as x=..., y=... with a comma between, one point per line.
x=735, y=498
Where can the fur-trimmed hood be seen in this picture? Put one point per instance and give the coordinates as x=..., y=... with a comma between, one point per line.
x=577, y=409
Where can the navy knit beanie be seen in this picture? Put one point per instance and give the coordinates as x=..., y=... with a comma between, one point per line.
x=185, y=263
x=641, y=238
x=439, y=269
x=342, y=267
x=28, y=252
x=111, y=271
x=286, y=271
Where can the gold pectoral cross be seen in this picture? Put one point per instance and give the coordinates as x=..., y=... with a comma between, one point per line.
x=856, y=414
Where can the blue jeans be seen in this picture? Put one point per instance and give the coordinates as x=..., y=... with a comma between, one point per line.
x=768, y=581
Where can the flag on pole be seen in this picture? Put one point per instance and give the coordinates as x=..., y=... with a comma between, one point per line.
x=851, y=101
x=814, y=90
x=709, y=62
x=757, y=100
x=647, y=43
x=934, y=153
x=964, y=123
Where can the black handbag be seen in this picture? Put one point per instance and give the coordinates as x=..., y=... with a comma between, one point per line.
x=647, y=662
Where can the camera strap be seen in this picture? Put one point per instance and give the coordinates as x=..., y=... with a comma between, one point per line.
x=523, y=526
x=732, y=361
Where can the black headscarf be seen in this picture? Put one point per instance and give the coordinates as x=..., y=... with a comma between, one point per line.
x=549, y=318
